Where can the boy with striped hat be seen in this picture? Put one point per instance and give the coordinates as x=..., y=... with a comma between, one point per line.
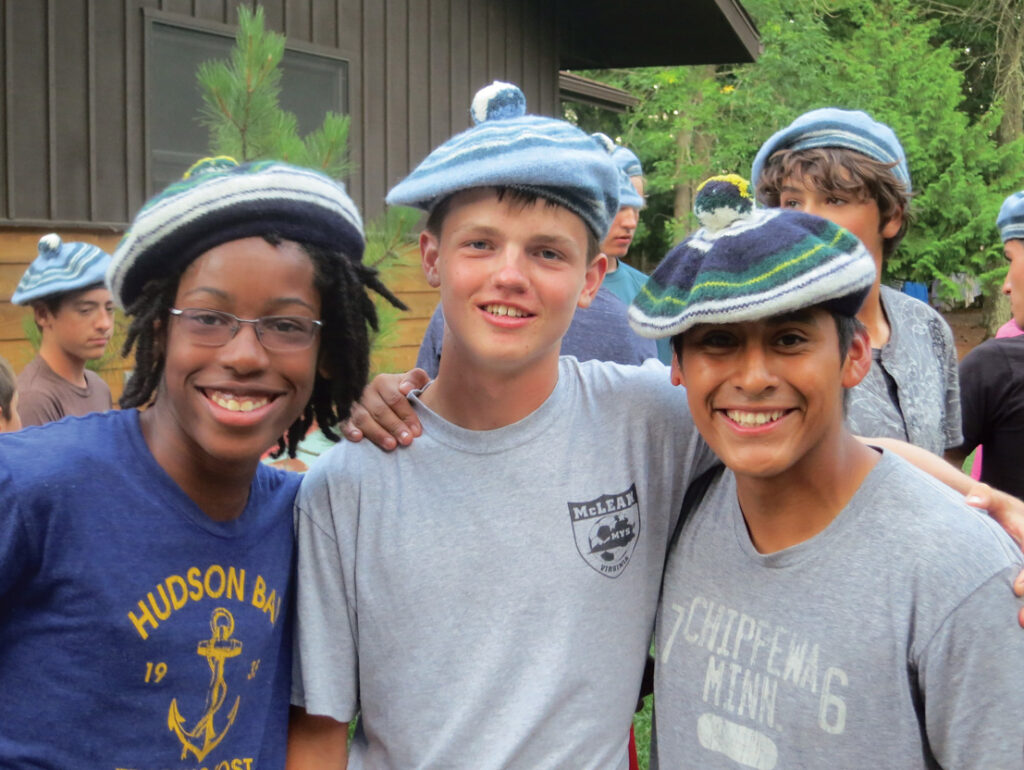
x=824, y=599
x=74, y=313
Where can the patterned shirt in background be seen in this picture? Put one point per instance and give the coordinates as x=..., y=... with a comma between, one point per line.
x=912, y=391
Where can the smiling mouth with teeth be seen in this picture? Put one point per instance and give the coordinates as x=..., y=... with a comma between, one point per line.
x=235, y=404
x=750, y=419
x=505, y=310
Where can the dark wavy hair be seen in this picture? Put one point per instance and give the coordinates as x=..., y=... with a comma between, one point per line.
x=347, y=313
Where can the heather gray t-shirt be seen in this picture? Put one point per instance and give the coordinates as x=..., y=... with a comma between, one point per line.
x=889, y=640
x=912, y=391
x=486, y=598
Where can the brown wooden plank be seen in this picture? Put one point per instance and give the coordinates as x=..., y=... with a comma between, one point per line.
x=373, y=88
x=7, y=83
x=298, y=20
x=439, y=67
x=496, y=41
x=477, y=64
x=213, y=10
x=458, y=50
x=530, y=82
x=324, y=16
x=396, y=108
x=29, y=123
x=72, y=122
x=514, y=43
x=110, y=201
x=418, y=104
x=17, y=352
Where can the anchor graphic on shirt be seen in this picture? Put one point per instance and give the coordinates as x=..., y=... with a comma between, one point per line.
x=203, y=737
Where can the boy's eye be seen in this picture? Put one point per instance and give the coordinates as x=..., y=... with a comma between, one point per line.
x=832, y=200
x=207, y=318
x=550, y=254
x=283, y=324
x=478, y=244
x=789, y=203
x=716, y=339
x=790, y=339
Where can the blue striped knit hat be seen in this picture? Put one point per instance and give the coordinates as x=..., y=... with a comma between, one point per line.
x=60, y=268
x=745, y=264
x=1011, y=218
x=508, y=148
x=219, y=201
x=628, y=196
x=627, y=160
x=832, y=127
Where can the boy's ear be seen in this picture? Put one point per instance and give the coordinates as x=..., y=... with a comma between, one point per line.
x=42, y=315
x=858, y=359
x=677, y=369
x=892, y=227
x=429, y=251
x=595, y=275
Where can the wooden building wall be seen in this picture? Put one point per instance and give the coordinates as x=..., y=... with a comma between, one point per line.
x=72, y=109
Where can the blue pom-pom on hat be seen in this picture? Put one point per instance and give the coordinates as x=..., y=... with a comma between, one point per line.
x=845, y=129
x=218, y=201
x=59, y=268
x=509, y=148
x=747, y=263
x=1011, y=218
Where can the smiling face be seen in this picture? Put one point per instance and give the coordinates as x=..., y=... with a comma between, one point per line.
x=511, y=274
x=232, y=402
x=767, y=395
x=858, y=215
x=80, y=328
x=1013, y=286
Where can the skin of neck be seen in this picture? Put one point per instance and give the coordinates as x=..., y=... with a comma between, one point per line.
x=794, y=506
x=220, y=489
x=475, y=398
x=63, y=364
x=613, y=264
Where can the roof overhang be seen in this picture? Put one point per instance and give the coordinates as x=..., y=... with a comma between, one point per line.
x=600, y=34
x=576, y=88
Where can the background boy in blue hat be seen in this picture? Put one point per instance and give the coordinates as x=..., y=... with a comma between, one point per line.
x=992, y=375
x=485, y=598
x=74, y=313
x=850, y=169
x=825, y=599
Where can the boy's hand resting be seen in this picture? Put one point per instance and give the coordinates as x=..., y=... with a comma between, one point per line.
x=383, y=414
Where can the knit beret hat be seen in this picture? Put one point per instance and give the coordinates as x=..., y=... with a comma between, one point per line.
x=628, y=196
x=745, y=264
x=219, y=201
x=508, y=148
x=831, y=127
x=1011, y=218
x=59, y=268
x=627, y=160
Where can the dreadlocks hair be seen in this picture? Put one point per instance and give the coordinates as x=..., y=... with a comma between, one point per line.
x=347, y=313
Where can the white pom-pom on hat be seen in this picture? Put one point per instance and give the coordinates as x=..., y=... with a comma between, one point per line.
x=498, y=101
x=49, y=245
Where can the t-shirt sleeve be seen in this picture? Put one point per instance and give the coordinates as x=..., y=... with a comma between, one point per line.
x=951, y=423
x=429, y=357
x=970, y=673
x=980, y=375
x=38, y=407
x=325, y=671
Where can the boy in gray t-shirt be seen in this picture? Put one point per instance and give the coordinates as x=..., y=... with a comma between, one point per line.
x=485, y=598
x=825, y=603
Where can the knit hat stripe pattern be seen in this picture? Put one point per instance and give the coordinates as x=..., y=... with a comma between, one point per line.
x=59, y=268
x=1011, y=218
x=224, y=203
x=752, y=264
x=511, y=149
x=628, y=196
x=844, y=129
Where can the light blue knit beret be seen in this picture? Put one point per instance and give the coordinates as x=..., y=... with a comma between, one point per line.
x=219, y=201
x=59, y=268
x=508, y=148
x=832, y=127
x=627, y=160
x=746, y=264
x=1011, y=218
x=628, y=196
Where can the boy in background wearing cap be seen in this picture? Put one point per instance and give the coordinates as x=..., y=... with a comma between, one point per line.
x=485, y=598
x=146, y=592
x=813, y=606
x=850, y=169
x=992, y=375
x=75, y=316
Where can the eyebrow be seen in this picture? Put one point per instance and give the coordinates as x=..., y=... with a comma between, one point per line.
x=803, y=316
x=223, y=295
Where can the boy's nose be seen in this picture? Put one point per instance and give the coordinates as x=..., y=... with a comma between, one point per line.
x=510, y=272
x=754, y=375
x=244, y=352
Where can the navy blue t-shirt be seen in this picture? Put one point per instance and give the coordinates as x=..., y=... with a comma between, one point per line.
x=135, y=632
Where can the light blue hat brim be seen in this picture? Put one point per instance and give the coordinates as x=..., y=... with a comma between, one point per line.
x=1011, y=218
x=832, y=127
x=72, y=267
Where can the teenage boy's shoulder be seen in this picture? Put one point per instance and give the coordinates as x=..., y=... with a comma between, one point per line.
x=909, y=310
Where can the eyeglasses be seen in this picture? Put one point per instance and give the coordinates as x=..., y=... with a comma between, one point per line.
x=213, y=328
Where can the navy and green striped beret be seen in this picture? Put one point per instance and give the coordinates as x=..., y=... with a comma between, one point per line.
x=746, y=264
x=218, y=201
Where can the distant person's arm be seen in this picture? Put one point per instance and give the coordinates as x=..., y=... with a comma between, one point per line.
x=316, y=742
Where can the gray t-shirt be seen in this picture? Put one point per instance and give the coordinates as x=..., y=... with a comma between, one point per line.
x=486, y=598
x=920, y=362
x=889, y=640
x=599, y=332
